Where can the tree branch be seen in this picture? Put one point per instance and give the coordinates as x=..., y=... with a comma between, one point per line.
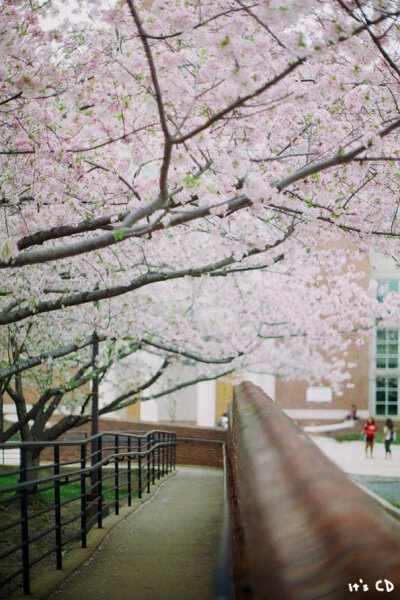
x=114, y=404
x=239, y=102
x=11, y=98
x=175, y=388
x=191, y=355
x=37, y=360
x=76, y=299
x=338, y=159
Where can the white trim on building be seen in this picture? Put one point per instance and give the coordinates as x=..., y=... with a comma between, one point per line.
x=318, y=414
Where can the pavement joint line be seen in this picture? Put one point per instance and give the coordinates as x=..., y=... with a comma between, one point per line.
x=44, y=585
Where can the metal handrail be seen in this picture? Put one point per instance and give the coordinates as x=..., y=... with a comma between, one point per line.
x=88, y=470
x=200, y=440
x=86, y=440
x=138, y=459
x=223, y=575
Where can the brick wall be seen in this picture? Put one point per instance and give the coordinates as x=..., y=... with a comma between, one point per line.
x=306, y=531
x=189, y=451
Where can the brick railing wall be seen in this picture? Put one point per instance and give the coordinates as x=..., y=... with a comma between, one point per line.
x=302, y=529
x=189, y=451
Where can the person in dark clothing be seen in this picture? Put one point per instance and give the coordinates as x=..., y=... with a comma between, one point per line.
x=390, y=435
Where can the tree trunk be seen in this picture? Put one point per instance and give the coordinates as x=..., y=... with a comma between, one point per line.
x=32, y=460
x=1, y=412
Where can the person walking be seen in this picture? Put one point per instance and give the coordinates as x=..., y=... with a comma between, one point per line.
x=369, y=430
x=390, y=435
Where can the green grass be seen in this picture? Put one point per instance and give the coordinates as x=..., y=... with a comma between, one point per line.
x=352, y=437
x=67, y=491
x=347, y=437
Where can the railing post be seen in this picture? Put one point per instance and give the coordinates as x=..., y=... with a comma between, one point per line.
x=153, y=460
x=129, y=471
x=166, y=453
x=83, y=495
x=169, y=453
x=139, y=443
x=148, y=438
x=99, y=486
x=163, y=455
x=158, y=455
x=57, y=507
x=24, y=523
x=116, y=475
x=174, y=450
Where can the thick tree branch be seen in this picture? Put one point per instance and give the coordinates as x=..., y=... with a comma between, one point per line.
x=160, y=104
x=111, y=406
x=79, y=298
x=37, y=360
x=192, y=355
x=175, y=388
x=76, y=382
x=333, y=161
x=18, y=95
x=239, y=102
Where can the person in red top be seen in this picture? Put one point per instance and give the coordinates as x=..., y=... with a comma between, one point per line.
x=369, y=430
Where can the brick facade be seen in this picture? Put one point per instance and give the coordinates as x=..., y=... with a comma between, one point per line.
x=207, y=452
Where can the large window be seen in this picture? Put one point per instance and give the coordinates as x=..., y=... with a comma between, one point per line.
x=386, y=396
x=387, y=349
x=387, y=359
x=386, y=286
x=387, y=372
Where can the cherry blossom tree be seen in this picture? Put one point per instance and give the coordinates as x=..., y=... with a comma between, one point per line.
x=266, y=330
x=226, y=142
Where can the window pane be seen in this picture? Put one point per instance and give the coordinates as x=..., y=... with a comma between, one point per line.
x=382, y=290
x=393, y=335
x=392, y=409
x=392, y=397
x=380, y=409
x=381, y=363
x=380, y=382
x=392, y=363
x=381, y=349
x=392, y=383
x=380, y=397
x=393, y=349
x=380, y=334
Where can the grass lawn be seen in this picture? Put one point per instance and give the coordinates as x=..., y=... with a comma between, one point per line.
x=352, y=437
x=67, y=491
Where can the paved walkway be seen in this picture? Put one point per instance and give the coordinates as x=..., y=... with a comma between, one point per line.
x=350, y=456
x=166, y=550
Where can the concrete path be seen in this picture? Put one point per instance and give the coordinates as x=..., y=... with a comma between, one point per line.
x=166, y=550
x=350, y=456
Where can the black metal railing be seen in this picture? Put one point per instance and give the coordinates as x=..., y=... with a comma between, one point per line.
x=223, y=573
x=74, y=487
